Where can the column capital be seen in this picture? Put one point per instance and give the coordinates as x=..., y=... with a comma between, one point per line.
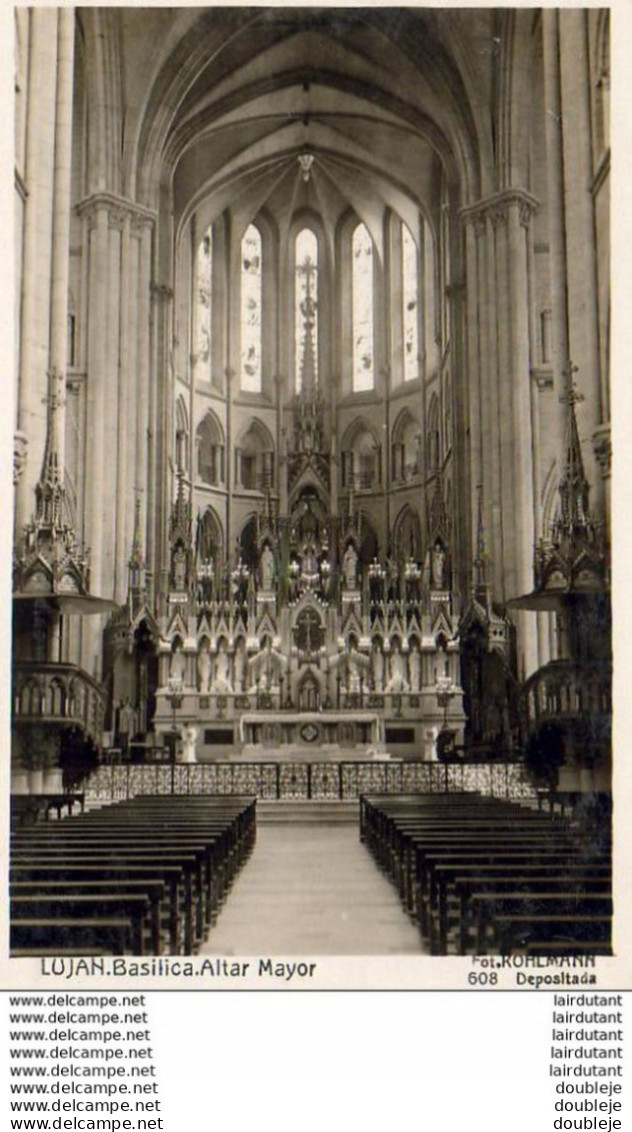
x=119, y=209
x=496, y=208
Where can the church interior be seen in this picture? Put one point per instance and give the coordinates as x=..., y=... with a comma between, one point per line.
x=311, y=471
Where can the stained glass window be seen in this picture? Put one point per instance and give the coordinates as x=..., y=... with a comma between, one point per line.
x=306, y=307
x=204, y=299
x=251, y=320
x=410, y=292
x=362, y=309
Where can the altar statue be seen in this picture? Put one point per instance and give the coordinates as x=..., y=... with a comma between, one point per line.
x=178, y=664
x=266, y=668
x=205, y=666
x=378, y=667
x=222, y=682
x=239, y=666
x=267, y=568
x=397, y=681
x=437, y=566
x=188, y=735
x=350, y=567
x=350, y=664
x=414, y=668
x=126, y=723
x=179, y=568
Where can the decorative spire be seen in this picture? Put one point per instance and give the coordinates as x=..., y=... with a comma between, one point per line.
x=574, y=517
x=181, y=513
x=137, y=583
x=439, y=520
x=137, y=558
x=480, y=583
x=574, y=557
x=50, y=548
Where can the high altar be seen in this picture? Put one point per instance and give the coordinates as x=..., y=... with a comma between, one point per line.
x=305, y=644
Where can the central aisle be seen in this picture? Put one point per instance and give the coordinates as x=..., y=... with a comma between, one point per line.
x=312, y=890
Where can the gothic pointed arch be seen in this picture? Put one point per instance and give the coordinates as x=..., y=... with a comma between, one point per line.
x=211, y=448
x=209, y=538
x=407, y=535
x=405, y=446
x=254, y=456
x=361, y=456
x=433, y=435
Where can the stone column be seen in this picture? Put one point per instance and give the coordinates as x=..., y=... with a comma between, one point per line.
x=61, y=235
x=473, y=373
x=505, y=495
x=556, y=211
x=162, y=312
x=461, y=470
x=37, y=251
x=520, y=211
x=96, y=385
x=135, y=471
x=580, y=235
x=498, y=296
x=491, y=418
x=114, y=423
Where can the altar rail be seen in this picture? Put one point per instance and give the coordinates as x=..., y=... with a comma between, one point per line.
x=320, y=781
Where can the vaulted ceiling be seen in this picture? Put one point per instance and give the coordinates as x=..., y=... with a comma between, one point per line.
x=219, y=103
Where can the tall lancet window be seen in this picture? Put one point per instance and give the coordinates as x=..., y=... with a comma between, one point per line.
x=362, y=309
x=410, y=294
x=251, y=321
x=306, y=309
x=204, y=300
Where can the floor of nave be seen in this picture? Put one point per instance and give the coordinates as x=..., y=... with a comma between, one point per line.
x=312, y=890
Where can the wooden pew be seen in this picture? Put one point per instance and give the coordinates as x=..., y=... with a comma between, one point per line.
x=62, y=936
x=513, y=933
x=490, y=908
x=135, y=908
x=491, y=878
x=193, y=845
x=424, y=843
x=155, y=891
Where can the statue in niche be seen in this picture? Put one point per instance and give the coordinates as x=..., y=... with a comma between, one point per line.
x=205, y=666
x=239, y=667
x=188, y=735
x=267, y=668
x=177, y=667
x=179, y=568
x=221, y=682
x=377, y=667
x=126, y=723
x=414, y=668
x=397, y=680
x=267, y=568
x=350, y=665
x=350, y=567
x=309, y=564
x=437, y=566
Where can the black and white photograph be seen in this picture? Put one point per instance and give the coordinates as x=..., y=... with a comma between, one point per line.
x=311, y=619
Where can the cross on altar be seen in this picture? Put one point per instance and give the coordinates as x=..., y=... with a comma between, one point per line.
x=309, y=270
